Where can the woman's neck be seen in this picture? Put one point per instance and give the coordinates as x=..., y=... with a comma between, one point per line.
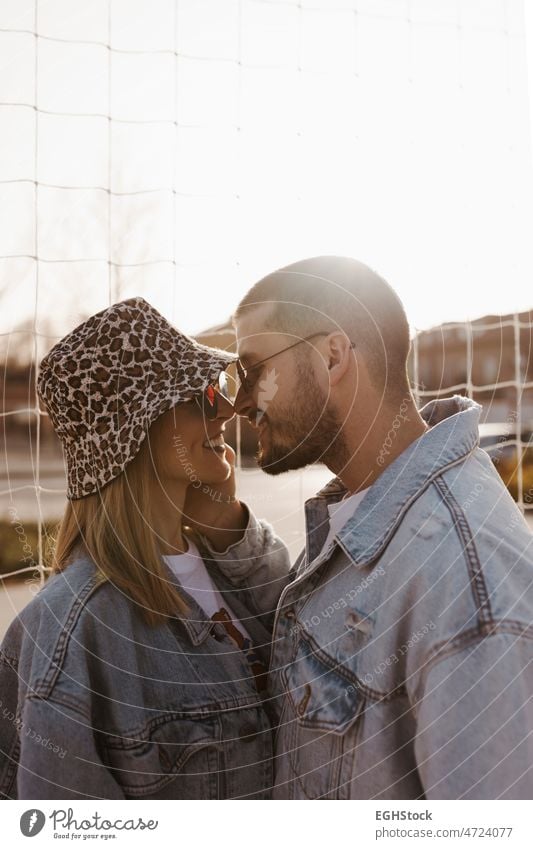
x=167, y=502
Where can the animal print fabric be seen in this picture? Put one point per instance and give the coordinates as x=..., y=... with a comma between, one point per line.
x=110, y=378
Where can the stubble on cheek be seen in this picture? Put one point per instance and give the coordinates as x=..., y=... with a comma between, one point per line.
x=283, y=446
x=307, y=433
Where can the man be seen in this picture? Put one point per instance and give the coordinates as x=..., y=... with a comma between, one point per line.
x=403, y=647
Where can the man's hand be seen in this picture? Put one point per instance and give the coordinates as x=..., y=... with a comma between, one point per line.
x=214, y=511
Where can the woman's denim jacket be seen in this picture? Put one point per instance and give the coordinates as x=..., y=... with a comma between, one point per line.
x=94, y=703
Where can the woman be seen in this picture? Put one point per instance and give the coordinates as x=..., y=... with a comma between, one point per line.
x=138, y=670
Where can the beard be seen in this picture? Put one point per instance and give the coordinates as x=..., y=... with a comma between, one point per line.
x=307, y=432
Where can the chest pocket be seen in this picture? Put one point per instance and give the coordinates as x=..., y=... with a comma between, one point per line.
x=322, y=689
x=322, y=716
x=177, y=758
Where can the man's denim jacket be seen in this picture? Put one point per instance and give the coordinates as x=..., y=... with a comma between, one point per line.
x=403, y=655
x=94, y=703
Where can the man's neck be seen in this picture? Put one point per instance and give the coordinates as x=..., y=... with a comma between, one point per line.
x=368, y=454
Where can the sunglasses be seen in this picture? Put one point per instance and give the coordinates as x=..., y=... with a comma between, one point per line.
x=249, y=376
x=208, y=400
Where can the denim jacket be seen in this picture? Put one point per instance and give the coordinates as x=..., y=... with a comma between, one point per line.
x=403, y=654
x=97, y=704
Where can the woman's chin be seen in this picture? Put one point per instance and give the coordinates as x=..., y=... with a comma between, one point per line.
x=217, y=468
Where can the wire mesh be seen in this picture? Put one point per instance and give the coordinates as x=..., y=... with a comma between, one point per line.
x=95, y=184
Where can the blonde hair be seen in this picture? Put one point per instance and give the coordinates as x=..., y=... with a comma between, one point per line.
x=114, y=526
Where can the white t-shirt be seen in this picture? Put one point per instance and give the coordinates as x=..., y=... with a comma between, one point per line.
x=189, y=569
x=340, y=512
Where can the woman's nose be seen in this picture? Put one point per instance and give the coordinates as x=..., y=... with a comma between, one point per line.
x=242, y=403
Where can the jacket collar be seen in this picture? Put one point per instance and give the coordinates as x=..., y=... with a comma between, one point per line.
x=195, y=625
x=453, y=434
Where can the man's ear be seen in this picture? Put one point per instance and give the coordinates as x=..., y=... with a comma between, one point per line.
x=339, y=356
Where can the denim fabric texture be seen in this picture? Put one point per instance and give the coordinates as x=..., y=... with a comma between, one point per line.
x=97, y=704
x=403, y=654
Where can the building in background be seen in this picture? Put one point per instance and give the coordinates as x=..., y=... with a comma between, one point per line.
x=491, y=359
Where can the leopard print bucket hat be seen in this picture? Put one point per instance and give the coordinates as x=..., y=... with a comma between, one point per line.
x=110, y=378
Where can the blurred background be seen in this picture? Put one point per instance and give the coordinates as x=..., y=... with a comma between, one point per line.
x=181, y=149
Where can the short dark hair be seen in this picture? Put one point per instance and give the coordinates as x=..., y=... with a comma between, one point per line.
x=339, y=293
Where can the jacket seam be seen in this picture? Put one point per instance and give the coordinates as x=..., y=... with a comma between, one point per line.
x=210, y=556
x=141, y=734
x=46, y=685
x=60, y=700
x=447, y=648
x=475, y=569
x=352, y=677
x=12, y=662
x=9, y=781
x=376, y=548
x=9, y=778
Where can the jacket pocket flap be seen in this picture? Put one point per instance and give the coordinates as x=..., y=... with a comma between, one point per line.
x=323, y=692
x=146, y=762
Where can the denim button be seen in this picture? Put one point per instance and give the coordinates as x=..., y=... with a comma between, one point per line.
x=219, y=632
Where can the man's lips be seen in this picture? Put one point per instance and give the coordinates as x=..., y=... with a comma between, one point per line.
x=258, y=419
x=262, y=429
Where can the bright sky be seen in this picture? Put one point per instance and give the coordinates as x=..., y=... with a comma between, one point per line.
x=405, y=142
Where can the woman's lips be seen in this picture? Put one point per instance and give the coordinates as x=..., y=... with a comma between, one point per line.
x=215, y=443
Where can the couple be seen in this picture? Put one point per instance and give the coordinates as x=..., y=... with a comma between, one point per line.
x=399, y=646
